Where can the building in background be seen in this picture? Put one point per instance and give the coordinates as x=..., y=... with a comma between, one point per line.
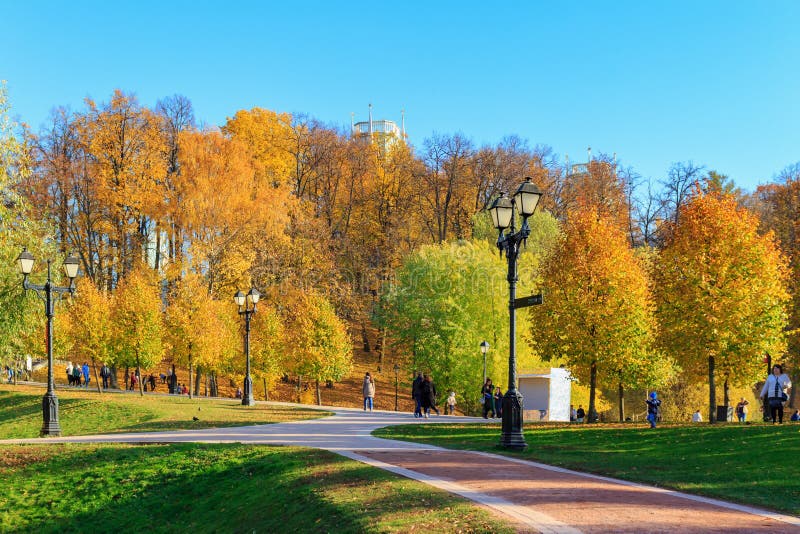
x=383, y=133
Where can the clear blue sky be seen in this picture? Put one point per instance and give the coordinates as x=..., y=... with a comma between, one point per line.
x=657, y=82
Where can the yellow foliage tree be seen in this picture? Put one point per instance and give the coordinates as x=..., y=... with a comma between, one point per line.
x=721, y=290
x=90, y=326
x=137, y=321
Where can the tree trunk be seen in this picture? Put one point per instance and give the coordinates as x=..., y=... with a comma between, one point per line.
x=206, y=386
x=299, y=388
x=213, y=380
x=158, y=245
x=319, y=395
x=364, y=337
x=190, y=376
x=621, y=403
x=198, y=373
x=114, y=382
x=592, y=391
x=127, y=377
x=726, y=393
x=712, y=392
x=96, y=378
x=266, y=393
x=139, y=373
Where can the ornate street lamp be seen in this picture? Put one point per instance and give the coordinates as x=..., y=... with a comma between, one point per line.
x=47, y=292
x=502, y=210
x=247, y=307
x=484, y=350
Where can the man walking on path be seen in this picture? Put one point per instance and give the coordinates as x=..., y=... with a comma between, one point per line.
x=416, y=394
x=653, y=409
x=105, y=374
x=85, y=370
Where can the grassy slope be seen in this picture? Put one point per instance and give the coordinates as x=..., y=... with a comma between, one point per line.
x=217, y=488
x=752, y=464
x=87, y=412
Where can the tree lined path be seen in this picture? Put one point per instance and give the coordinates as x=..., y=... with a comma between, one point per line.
x=538, y=497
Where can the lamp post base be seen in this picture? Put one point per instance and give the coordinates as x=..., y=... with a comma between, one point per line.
x=511, y=437
x=50, y=426
x=247, y=394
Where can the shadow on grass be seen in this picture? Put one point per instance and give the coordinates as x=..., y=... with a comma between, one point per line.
x=204, y=488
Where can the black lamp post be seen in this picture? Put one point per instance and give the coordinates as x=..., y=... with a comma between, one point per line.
x=50, y=426
x=484, y=350
x=247, y=307
x=502, y=210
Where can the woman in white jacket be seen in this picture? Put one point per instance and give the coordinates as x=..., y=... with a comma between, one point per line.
x=774, y=393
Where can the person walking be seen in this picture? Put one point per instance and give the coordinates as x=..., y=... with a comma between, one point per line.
x=69, y=373
x=416, y=394
x=487, y=398
x=368, y=389
x=580, y=414
x=76, y=375
x=105, y=374
x=653, y=409
x=774, y=393
x=85, y=371
x=741, y=410
x=498, y=402
x=450, y=407
x=428, y=396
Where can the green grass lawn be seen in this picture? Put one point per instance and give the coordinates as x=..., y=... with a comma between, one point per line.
x=217, y=488
x=88, y=412
x=753, y=464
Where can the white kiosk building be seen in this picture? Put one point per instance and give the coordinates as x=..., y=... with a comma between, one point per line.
x=546, y=396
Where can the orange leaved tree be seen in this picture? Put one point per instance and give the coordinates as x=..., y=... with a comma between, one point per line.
x=598, y=310
x=721, y=292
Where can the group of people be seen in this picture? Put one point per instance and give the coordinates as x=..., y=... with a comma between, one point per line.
x=133, y=382
x=423, y=392
x=491, y=399
x=76, y=372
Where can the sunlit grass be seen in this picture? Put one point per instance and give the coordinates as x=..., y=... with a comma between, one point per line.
x=753, y=464
x=87, y=412
x=217, y=488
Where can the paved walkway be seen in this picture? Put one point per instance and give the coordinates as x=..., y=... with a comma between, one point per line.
x=539, y=498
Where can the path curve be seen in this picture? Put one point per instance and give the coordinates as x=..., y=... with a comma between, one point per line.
x=540, y=498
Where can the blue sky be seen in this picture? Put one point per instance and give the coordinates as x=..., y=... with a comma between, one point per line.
x=717, y=83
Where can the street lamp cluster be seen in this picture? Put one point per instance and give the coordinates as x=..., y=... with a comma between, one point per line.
x=47, y=292
x=247, y=307
x=503, y=211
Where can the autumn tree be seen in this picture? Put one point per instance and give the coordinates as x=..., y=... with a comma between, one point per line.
x=23, y=315
x=137, y=321
x=721, y=293
x=321, y=347
x=90, y=328
x=778, y=205
x=270, y=353
x=198, y=333
x=598, y=312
